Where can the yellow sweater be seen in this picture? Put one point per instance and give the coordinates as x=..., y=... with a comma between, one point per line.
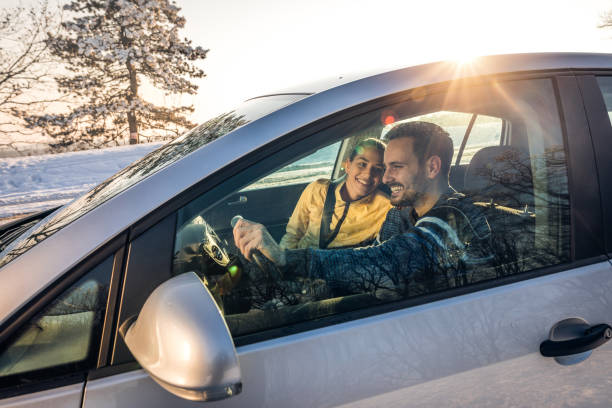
x=363, y=220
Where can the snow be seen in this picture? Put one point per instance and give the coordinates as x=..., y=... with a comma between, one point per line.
x=36, y=183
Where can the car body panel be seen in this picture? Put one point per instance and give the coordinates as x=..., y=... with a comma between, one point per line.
x=61, y=252
x=477, y=350
x=69, y=396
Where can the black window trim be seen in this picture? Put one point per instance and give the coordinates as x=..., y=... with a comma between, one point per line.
x=600, y=127
x=112, y=306
x=128, y=290
x=586, y=216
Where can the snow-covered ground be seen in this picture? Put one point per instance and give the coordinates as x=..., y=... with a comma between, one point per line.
x=36, y=183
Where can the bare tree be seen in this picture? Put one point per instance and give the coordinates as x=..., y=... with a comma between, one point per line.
x=25, y=64
x=606, y=20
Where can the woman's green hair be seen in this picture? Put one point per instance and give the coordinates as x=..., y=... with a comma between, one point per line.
x=369, y=143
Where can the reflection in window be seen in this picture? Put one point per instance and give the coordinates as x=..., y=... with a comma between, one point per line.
x=317, y=165
x=605, y=84
x=65, y=332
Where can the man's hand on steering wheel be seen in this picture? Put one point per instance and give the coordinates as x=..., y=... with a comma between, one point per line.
x=251, y=237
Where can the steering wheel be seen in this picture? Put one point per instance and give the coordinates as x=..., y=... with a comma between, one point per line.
x=213, y=246
x=218, y=252
x=226, y=269
x=233, y=267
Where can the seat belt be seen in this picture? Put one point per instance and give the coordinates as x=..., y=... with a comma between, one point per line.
x=326, y=236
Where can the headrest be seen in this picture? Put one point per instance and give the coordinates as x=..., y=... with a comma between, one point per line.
x=502, y=174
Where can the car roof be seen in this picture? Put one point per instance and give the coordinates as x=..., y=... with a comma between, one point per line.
x=477, y=66
x=61, y=251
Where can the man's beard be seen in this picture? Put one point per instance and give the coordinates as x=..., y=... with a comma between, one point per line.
x=413, y=196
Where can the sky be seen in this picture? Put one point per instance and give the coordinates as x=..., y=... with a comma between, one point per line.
x=258, y=47
x=261, y=46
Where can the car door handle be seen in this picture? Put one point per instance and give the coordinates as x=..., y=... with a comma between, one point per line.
x=241, y=200
x=593, y=337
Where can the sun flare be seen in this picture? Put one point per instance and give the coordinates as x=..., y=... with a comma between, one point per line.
x=465, y=59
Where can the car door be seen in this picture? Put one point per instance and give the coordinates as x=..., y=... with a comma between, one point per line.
x=473, y=342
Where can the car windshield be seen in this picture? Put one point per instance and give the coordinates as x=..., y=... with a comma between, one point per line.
x=153, y=162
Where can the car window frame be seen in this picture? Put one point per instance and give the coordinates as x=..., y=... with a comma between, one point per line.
x=114, y=248
x=601, y=131
x=291, y=144
x=588, y=241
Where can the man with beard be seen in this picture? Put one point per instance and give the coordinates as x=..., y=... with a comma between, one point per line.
x=431, y=237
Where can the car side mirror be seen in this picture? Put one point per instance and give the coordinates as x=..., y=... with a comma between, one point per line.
x=181, y=339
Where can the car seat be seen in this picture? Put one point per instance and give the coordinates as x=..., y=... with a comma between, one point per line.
x=499, y=180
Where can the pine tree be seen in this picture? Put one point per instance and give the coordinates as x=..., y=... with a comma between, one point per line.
x=110, y=47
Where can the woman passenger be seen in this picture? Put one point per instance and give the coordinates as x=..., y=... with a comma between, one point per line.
x=354, y=214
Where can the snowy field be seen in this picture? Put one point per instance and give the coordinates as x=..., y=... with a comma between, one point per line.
x=36, y=183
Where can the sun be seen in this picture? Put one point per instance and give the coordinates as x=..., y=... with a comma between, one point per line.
x=464, y=58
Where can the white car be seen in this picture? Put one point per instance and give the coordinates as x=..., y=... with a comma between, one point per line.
x=109, y=301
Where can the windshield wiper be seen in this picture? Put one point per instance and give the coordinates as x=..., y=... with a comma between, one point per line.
x=11, y=231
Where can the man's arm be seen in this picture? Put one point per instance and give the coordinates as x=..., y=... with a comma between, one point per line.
x=386, y=267
x=392, y=266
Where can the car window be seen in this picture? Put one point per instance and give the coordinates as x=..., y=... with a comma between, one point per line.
x=63, y=338
x=485, y=131
x=510, y=216
x=471, y=130
x=605, y=84
x=316, y=165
